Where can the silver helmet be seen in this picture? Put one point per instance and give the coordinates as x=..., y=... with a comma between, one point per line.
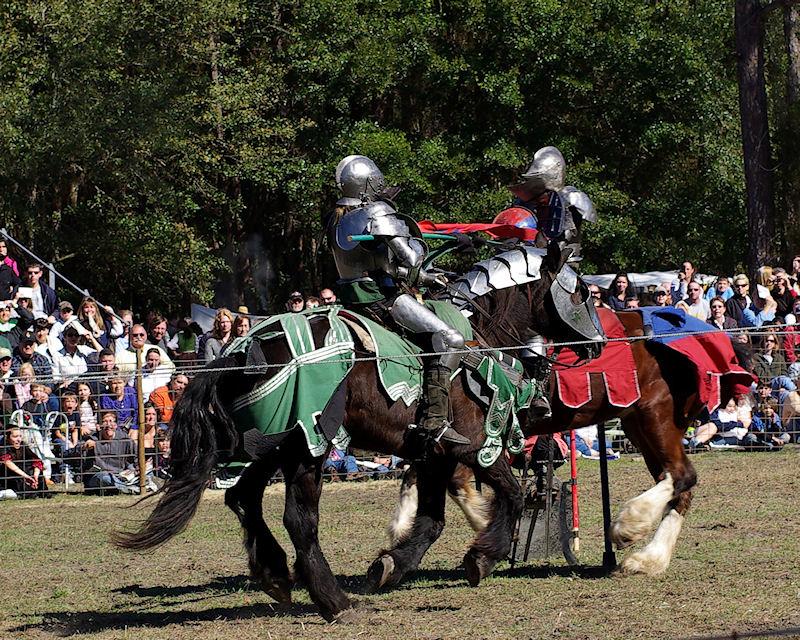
x=545, y=173
x=359, y=179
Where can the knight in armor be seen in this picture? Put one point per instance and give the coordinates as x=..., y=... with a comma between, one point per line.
x=543, y=201
x=375, y=277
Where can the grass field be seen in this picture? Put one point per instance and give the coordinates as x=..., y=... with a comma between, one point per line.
x=735, y=569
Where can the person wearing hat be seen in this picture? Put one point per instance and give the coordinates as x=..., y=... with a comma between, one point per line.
x=660, y=296
x=47, y=345
x=295, y=303
x=65, y=316
x=26, y=352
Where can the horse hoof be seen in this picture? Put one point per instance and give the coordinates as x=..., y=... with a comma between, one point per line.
x=477, y=566
x=350, y=615
x=379, y=573
x=279, y=589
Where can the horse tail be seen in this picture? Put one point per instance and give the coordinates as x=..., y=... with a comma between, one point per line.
x=201, y=429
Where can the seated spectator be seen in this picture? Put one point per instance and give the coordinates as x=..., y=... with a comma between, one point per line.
x=164, y=398
x=767, y=426
x=12, y=329
x=9, y=282
x=45, y=344
x=241, y=326
x=694, y=304
x=87, y=407
x=7, y=260
x=295, y=303
x=40, y=404
x=122, y=400
x=678, y=289
x=727, y=428
x=329, y=297
x=794, y=276
x=717, y=317
x=720, y=289
x=185, y=343
x=99, y=375
x=769, y=363
x=632, y=301
x=153, y=431
x=65, y=317
x=153, y=374
x=782, y=293
x=157, y=332
x=791, y=345
x=7, y=389
x=588, y=445
x=109, y=459
x=72, y=360
x=618, y=292
x=70, y=408
x=126, y=360
x=660, y=296
x=26, y=353
x=596, y=295
x=22, y=387
x=312, y=302
x=21, y=469
x=103, y=330
x=743, y=309
x=44, y=301
x=221, y=334
x=122, y=342
x=339, y=461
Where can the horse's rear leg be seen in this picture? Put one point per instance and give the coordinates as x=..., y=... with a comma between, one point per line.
x=413, y=536
x=301, y=519
x=667, y=503
x=494, y=542
x=266, y=558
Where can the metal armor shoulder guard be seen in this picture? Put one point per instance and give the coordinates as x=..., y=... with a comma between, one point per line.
x=578, y=200
x=382, y=220
x=359, y=180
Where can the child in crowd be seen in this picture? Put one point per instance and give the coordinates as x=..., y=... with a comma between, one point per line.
x=87, y=409
x=767, y=426
x=40, y=404
x=69, y=407
x=22, y=388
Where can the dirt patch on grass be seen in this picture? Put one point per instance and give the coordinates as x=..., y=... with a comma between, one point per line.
x=734, y=569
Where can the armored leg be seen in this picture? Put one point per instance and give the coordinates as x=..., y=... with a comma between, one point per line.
x=533, y=357
x=417, y=318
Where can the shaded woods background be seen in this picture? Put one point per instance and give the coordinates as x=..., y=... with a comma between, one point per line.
x=184, y=152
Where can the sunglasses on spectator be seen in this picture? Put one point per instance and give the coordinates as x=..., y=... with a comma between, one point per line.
x=771, y=340
x=139, y=335
x=740, y=285
x=694, y=289
x=34, y=273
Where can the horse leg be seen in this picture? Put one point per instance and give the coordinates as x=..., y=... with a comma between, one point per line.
x=406, y=510
x=405, y=555
x=301, y=519
x=494, y=542
x=667, y=504
x=266, y=558
x=477, y=508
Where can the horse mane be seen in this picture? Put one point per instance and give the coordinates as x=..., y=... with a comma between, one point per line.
x=507, y=315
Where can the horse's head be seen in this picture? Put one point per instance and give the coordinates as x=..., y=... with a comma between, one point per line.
x=570, y=313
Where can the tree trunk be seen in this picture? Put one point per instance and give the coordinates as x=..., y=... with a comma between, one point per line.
x=757, y=152
x=791, y=143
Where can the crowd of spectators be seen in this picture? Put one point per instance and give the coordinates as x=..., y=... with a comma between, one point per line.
x=760, y=318
x=66, y=373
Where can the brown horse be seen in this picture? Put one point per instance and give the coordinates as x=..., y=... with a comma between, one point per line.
x=203, y=433
x=656, y=424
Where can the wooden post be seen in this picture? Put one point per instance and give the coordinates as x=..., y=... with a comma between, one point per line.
x=140, y=403
x=609, y=559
